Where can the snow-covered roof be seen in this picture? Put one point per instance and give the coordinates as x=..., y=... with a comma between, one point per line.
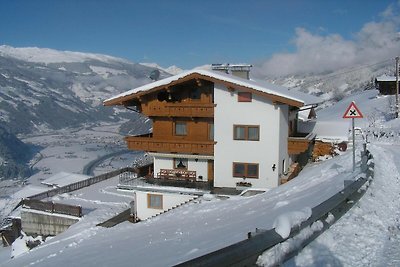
x=385, y=78
x=272, y=90
x=332, y=131
x=64, y=178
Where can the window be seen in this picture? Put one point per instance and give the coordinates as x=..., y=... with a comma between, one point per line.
x=244, y=97
x=211, y=131
x=180, y=163
x=154, y=201
x=195, y=93
x=245, y=170
x=246, y=132
x=180, y=128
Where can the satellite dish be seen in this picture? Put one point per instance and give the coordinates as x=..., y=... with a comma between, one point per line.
x=155, y=75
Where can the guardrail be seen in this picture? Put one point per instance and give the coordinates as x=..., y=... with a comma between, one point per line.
x=52, y=207
x=246, y=252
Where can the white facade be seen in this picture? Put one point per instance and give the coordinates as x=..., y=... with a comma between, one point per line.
x=270, y=150
x=169, y=200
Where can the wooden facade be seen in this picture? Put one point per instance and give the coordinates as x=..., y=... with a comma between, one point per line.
x=386, y=85
x=298, y=145
x=152, y=144
x=189, y=104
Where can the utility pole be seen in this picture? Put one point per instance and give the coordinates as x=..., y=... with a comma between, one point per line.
x=397, y=87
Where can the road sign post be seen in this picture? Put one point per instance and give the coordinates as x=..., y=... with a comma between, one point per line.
x=352, y=113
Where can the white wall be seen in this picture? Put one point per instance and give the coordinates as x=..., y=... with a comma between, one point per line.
x=283, y=148
x=168, y=163
x=169, y=200
x=266, y=152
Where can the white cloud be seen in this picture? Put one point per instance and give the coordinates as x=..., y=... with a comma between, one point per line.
x=314, y=53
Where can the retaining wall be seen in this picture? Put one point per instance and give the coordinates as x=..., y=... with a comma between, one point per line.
x=45, y=224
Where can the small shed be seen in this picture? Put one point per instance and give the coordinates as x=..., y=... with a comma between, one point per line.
x=386, y=85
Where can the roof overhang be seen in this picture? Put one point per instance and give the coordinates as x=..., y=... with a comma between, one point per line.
x=136, y=94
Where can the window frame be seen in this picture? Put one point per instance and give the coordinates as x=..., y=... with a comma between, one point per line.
x=211, y=131
x=246, y=172
x=150, y=204
x=186, y=128
x=246, y=132
x=180, y=159
x=245, y=97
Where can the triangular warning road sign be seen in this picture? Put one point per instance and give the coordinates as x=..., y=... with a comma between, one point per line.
x=353, y=112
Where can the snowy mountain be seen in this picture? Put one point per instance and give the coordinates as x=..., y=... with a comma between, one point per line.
x=70, y=85
x=173, y=70
x=44, y=89
x=333, y=86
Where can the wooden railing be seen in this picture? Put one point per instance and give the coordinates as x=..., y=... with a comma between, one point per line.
x=52, y=207
x=170, y=146
x=79, y=185
x=204, y=110
x=177, y=174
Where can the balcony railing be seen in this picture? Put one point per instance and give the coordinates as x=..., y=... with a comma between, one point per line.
x=170, y=146
x=204, y=110
x=177, y=174
x=297, y=145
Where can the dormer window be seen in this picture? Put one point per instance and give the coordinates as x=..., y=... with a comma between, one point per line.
x=244, y=97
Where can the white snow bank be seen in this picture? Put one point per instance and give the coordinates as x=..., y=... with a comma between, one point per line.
x=64, y=178
x=332, y=131
x=275, y=255
x=19, y=246
x=285, y=222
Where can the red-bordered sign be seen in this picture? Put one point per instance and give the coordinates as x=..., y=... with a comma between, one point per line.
x=353, y=112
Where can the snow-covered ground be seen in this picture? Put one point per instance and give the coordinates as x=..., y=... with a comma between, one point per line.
x=69, y=150
x=191, y=230
x=368, y=235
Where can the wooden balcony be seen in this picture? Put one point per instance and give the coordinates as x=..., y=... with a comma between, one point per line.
x=297, y=145
x=151, y=144
x=177, y=174
x=199, y=110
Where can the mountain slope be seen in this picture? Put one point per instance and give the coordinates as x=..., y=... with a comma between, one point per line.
x=42, y=89
x=333, y=86
x=51, y=89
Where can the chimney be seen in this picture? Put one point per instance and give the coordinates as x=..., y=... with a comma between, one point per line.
x=238, y=70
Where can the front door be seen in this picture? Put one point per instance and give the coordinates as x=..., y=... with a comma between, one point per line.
x=210, y=174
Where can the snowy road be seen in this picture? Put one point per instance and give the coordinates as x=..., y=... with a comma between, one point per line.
x=368, y=235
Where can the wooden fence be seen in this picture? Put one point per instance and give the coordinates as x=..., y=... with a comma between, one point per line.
x=52, y=207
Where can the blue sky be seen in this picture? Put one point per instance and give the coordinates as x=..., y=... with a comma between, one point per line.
x=182, y=33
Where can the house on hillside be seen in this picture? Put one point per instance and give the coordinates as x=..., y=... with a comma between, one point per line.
x=386, y=85
x=219, y=127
